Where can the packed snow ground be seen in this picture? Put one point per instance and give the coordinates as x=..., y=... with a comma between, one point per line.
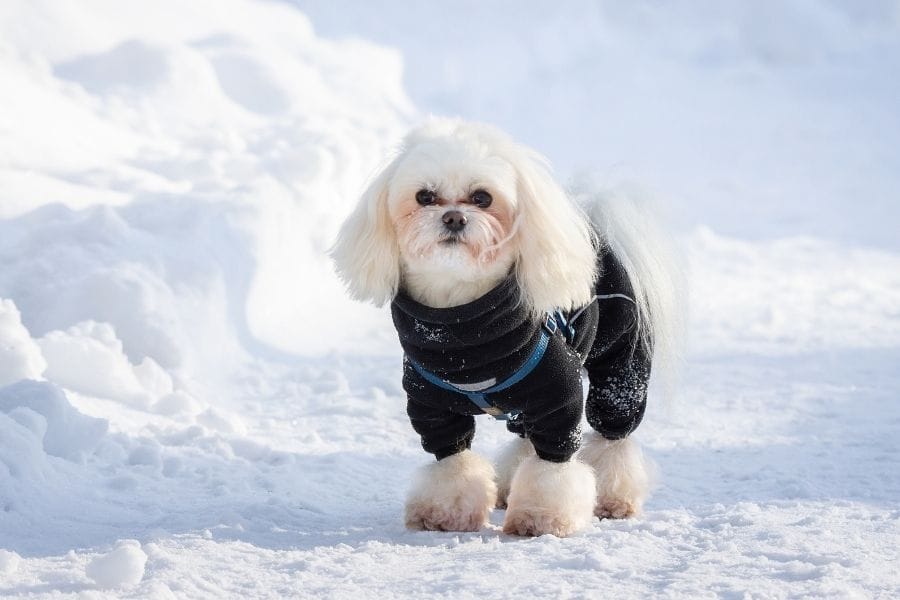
x=190, y=407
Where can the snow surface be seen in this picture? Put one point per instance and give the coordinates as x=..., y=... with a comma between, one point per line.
x=123, y=567
x=191, y=407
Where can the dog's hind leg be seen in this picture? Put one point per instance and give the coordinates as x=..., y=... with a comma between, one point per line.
x=615, y=407
x=455, y=493
x=618, y=367
x=622, y=473
x=507, y=463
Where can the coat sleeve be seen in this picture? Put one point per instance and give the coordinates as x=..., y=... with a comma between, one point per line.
x=619, y=374
x=552, y=394
x=444, y=431
x=618, y=364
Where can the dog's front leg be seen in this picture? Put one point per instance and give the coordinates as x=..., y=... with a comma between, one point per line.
x=455, y=493
x=550, y=497
x=551, y=491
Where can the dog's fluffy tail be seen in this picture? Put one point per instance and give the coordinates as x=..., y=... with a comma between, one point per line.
x=626, y=223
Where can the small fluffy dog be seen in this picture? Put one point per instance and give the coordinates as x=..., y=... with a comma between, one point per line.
x=502, y=290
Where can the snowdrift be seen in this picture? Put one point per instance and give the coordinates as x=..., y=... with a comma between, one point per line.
x=170, y=179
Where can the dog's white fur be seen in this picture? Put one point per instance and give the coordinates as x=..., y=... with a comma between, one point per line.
x=453, y=494
x=622, y=472
x=626, y=223
x=549, y=241
x=549, y=497
x=532, y=227
x=507, y=463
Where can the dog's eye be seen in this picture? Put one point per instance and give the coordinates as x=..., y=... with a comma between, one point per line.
x=426, y=197
x=481, y=198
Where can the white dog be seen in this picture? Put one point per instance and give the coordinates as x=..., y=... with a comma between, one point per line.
x=501, y=290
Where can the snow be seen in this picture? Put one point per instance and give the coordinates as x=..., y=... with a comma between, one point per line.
x=9, y=561
x=190, y=405
x=122, y=567
x=57, y=427
x=20, y=356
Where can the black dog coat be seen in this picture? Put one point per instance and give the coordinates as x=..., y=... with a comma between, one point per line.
x=475, y=345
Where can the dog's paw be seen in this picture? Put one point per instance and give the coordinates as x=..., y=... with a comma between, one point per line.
x=623, y=476
x=453, y=494
x=548, y=497
x=431, y=517
x=616, y=508
x=536, y=522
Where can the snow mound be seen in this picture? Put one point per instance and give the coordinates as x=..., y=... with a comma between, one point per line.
x=170, y=182
x=182, y=177
x=168, y=191
x=43, y=409
x=77, y=355
x=20, y=356
x=122, y=567
x=9, y=562
x=43, y=456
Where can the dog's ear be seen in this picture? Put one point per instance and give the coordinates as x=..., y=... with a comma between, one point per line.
x=557, y=263
x=366, y=255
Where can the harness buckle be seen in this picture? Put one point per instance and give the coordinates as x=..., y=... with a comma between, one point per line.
x=550, y=324
x=493, y=411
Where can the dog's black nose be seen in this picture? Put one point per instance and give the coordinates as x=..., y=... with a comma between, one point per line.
x=454, y=220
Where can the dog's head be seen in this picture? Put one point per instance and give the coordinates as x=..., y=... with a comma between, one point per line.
x=463, y=201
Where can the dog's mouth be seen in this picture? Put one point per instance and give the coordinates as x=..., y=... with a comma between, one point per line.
x=451, y=240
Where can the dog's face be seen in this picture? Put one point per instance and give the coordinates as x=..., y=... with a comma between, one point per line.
x=452, y=205
x=460, y=203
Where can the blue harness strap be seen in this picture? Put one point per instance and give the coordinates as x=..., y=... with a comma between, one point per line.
x=552, y=323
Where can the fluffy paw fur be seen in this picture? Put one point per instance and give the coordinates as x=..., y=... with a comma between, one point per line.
x=548, y=497
x=622, y=474
x=507, y=463
x=453, y=494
